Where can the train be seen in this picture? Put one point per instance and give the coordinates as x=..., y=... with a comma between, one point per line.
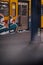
x=12, y=11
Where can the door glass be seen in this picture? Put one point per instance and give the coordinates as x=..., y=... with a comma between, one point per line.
x=24, y=9
x=4, y=8
x=41, y=9
x=14, y=9
x=19, y=9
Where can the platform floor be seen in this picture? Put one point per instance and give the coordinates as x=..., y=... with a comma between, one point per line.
x=16, y=50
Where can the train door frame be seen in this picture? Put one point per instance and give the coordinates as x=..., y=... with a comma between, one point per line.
x=28, y=11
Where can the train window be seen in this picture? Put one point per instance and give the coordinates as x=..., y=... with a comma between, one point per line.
x=4, y=8
x=41, y=9
x=24, y=9
x=19, y=9
x=14, y=9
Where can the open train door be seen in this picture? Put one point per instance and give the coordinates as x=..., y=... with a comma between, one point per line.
x=23, y=13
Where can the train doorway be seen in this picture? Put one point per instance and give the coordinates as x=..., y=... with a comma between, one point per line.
x=23, y=13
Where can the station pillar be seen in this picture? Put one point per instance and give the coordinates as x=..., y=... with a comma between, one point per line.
x=35, y=17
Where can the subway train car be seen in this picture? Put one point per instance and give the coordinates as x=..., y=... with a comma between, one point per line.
x=15, y=11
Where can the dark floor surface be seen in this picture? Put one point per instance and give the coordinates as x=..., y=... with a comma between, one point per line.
x=16, y=50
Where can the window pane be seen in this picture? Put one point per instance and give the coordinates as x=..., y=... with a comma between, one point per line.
x=4, y=8
x=24, y=9
x=19, y=9
x=14, y=9
x=42, y=10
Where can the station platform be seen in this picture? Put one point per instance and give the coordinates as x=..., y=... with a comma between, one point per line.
x=16, y=50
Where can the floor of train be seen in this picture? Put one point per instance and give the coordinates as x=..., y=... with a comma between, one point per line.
x=15, y=49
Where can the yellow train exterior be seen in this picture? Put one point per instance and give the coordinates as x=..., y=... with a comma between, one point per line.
x=42, y=14
x=13, y=10
x=10, y=8
x=16, y=9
